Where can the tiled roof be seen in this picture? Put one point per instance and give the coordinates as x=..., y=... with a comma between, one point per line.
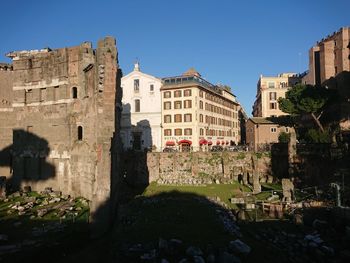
x=284, y=120
x=261, y=120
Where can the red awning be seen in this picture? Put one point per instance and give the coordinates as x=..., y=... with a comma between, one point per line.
x=222, y=142
x=170, y=143
x=210, y=142
x=227, y=142
x=217, y=142
x=203, y=141
x=184, y=142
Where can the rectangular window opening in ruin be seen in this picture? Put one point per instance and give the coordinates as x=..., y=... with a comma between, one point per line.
x=55, y=92
x=42, y=94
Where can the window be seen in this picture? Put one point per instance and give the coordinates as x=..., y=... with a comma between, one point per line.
x=287, y=129
x=74, y=93
x=167, y=118
x=187, y=92
x=273, y=105
x=178, y=118
x=188, y=104
x=137, y=105
x=283, y=84
x=201, y=93
x=42, y=94
x=188, y=117
x=200, y=117
x=167, y=132
x=80, y=133
x=177, y=104
x=201, y=131
x=56, y=92
x=271, y=85
x=188, y=131
x=273, y=95
x=167, y=94
x=336, y=70
x=177, y=93
x=167, y=105
x=136, y=85
x=273, y=129
x=151, y=87
x=178, y=132
x=201, y=105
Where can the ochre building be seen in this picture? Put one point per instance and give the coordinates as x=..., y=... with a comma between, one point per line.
x=269, y=90
x=196, y=114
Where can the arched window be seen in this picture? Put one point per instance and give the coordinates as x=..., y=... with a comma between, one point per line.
x=80, y=133
x=74, y=92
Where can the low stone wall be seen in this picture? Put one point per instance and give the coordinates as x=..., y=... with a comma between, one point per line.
x=207, y=167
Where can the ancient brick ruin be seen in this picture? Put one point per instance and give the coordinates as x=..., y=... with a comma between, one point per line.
x=58, y=120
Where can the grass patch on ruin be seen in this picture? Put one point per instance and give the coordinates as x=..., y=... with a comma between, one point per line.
x=223, y=191
x=20, y=227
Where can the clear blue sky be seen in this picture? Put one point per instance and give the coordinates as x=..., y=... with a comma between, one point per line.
x=228, y=41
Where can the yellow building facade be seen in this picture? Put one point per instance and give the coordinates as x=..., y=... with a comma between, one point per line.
x=269, y=90
x=197, y=114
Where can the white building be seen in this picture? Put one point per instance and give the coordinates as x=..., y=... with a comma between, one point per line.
x=141, y=116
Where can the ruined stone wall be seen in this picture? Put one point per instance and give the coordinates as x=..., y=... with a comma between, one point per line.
x=59, y=128
x=7, y=118
x=197, y=167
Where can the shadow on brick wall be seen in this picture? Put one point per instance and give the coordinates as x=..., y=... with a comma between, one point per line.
x=26, y=158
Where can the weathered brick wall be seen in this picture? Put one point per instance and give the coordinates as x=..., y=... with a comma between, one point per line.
x=39, y=128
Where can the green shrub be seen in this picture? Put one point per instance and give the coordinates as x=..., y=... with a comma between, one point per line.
x=284, y=137
x=315, y=136
x=240, y=156
x=258, y=155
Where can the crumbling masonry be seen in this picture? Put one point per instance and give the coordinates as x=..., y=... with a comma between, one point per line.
x=58, y=120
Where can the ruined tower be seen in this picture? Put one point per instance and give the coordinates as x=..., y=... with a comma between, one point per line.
x=57, y=120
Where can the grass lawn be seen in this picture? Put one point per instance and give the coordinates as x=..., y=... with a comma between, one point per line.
x=223, y=191
x=176, y=212
x=180, y=212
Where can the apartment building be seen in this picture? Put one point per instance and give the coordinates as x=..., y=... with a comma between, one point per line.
x=269, y=89
x=328, y=57
x=197, y=114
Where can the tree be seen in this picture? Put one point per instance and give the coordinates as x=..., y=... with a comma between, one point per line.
x=284, y=137
x=306, y=100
